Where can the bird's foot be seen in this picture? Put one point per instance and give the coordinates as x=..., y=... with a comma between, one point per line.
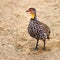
x=35, y=48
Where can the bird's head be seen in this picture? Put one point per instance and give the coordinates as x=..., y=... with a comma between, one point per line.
x=32, y=11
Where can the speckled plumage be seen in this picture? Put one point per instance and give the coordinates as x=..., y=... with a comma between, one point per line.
x=38, y=29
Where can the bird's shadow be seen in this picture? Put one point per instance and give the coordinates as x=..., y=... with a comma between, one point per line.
x=52, y=46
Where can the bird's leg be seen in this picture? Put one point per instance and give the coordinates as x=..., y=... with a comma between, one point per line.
x=44, y=45
x=36, y=45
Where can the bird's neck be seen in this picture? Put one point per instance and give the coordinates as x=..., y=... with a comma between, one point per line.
x=33, y=16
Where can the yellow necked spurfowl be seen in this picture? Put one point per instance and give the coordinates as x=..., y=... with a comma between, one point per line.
x=37, y=29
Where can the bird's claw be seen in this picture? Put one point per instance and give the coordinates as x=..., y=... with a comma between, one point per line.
x=35, y=48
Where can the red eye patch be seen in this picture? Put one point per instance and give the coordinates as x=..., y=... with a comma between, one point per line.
x=30, y=9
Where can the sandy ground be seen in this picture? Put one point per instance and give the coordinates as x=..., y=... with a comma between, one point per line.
x=15, y=42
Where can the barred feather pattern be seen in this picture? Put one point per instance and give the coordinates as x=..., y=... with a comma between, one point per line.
x=38, y=30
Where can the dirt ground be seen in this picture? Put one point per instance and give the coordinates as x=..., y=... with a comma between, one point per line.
x=15, y=42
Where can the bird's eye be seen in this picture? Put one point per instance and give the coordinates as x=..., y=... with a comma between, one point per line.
x=30, y=9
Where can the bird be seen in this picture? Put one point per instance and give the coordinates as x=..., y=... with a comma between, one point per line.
x=37, y=29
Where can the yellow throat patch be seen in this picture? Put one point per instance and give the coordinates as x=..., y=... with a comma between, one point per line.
x=32, y=15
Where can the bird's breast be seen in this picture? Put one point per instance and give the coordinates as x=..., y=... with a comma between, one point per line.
x=33, y=29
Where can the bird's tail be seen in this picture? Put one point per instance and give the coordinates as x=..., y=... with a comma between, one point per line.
x=48, y=38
